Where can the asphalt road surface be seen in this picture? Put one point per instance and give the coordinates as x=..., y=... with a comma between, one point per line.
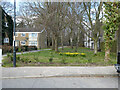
x=62, y=82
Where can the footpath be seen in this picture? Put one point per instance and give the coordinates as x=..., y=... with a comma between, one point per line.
x=66, y=71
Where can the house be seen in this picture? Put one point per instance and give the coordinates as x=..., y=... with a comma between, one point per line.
x=7, y=28
x=31, y=37
x=89, y=43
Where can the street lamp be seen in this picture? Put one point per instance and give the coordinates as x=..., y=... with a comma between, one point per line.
x=14, y=52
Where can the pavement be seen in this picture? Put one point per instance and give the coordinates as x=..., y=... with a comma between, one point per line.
x=63, y=82
x=66, y=71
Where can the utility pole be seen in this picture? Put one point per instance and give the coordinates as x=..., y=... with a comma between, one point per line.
x=14, y=51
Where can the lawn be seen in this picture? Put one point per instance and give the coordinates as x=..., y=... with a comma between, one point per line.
x=51, y=58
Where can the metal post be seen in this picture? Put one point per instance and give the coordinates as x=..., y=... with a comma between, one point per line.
x=14, y=51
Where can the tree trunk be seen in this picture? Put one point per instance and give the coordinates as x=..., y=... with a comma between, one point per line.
x=53, y=42
x=95, y=47
x=62, y=41
x=107, y=51
x=76, y=46
x=107, y=55
x=48, y=41
x=78, y=40
x=56, y=44
x=71, y=42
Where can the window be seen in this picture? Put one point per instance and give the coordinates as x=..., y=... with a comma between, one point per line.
x=16, y=34
x=33, y=35
x=32, y=43
x=6, y=40
x=23, y=34
x=23, y=42
x=6, y=24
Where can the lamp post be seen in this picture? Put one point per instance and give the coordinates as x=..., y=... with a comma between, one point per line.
x=14, y=52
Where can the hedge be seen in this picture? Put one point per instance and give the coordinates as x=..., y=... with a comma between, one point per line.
x=9, y=49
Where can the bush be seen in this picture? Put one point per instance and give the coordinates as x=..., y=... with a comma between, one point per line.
x=63, y=60
x=50, y=59
x=19, y=49
x=8, y=55
x=7, y=49
x=36, y=58
x=28, y=48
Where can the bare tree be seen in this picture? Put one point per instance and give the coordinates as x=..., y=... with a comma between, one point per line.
x=8, y=7
x=90, y=23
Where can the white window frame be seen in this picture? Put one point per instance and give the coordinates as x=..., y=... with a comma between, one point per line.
x=30, y=35
x=6, y=24
x=31, y=44
x=16, y=34
x=21, y=42
x=22, y=35
x=6, y=40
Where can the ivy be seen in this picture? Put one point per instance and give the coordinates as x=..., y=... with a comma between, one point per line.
x=112, y=19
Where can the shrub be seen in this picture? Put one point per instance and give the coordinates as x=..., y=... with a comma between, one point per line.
x=11, y=57
x=83, y=54
x=36, y=58
x=63, y=60
x=18, y=58
x=25, y=60
x=50, y=59
x=8, y=55
x=90, y=60
x=7, y=49
x=19, y=49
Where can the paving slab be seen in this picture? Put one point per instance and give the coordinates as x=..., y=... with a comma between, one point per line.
x=26, y=72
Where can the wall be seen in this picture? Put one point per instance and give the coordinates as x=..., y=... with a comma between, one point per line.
x=42, y=39
x=20, y=38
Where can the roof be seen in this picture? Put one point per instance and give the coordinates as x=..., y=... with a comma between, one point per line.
x=29, y=29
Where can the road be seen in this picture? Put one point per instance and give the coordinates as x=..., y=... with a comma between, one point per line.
x=62, y=82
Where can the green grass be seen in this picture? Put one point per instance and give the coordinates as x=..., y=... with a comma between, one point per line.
x=42, y=59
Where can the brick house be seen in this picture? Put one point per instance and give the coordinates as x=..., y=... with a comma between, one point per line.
x=31, y=37
x=6, y=28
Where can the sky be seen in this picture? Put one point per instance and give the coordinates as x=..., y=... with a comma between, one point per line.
x=17, y=3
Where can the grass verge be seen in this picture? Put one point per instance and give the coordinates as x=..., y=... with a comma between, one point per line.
x=51, y=58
